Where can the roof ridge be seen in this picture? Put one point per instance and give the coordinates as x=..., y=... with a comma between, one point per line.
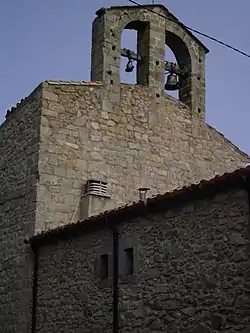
x=71, y=82
x=229, y=141
x=136, y=208
x=19, y=104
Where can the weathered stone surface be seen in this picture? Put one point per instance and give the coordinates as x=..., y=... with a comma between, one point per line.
x=65, y=301
x=19, y=148
x=217, y=321
x=176, y=297
x=162, y=153
x=202, y=328
x=188, y=303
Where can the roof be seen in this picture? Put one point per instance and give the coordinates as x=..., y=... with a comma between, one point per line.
x=168, y=15
x=74, y=83
x=223, y=183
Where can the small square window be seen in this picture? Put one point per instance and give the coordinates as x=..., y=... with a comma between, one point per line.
x=129, y=261
x=104, y=266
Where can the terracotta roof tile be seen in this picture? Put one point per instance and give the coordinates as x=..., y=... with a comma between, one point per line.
x=75, y=83
x=219, y=183
x=22, y=102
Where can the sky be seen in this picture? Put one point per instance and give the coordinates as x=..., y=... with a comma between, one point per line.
x=51, y=40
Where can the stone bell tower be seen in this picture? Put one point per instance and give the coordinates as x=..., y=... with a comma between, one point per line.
x=156, y=28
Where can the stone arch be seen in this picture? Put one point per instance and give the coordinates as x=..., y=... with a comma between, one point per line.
x=130, y=21
x=179, y=48
x=142, y=49
x=183, y=55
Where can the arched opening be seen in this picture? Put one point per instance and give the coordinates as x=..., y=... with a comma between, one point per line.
x=134, y=63
x=128, y=70
x=179, y=67
x=170, y=57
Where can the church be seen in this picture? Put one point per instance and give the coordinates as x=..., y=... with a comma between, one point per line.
x=113, y=218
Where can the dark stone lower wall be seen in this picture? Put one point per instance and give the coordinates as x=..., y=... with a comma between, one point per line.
x=194, y=269
x=71, y=297
x=19, y=144
x=191, y=268
x=16, y=264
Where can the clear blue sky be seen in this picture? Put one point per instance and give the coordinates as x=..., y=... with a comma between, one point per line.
x=51, y=39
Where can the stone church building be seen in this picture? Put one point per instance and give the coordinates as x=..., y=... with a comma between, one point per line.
x=72, y=150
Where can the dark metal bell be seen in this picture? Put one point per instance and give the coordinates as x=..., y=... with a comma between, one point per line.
x=172, y=82
x=130, y=67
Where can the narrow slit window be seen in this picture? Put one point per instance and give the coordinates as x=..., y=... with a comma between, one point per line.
x=104, y=266
x=129, y=261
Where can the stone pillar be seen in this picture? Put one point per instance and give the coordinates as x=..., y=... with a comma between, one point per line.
x=192, y=91
x=97, y=56
x=142, y=48
x=190, y=54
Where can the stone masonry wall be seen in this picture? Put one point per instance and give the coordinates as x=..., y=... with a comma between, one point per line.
x=192, y=273
x=142, y=142
x=193, y=268
x=19, y=137
x=70, y=295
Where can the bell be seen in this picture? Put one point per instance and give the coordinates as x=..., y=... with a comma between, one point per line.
x=172, y=82
x=130, y=67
